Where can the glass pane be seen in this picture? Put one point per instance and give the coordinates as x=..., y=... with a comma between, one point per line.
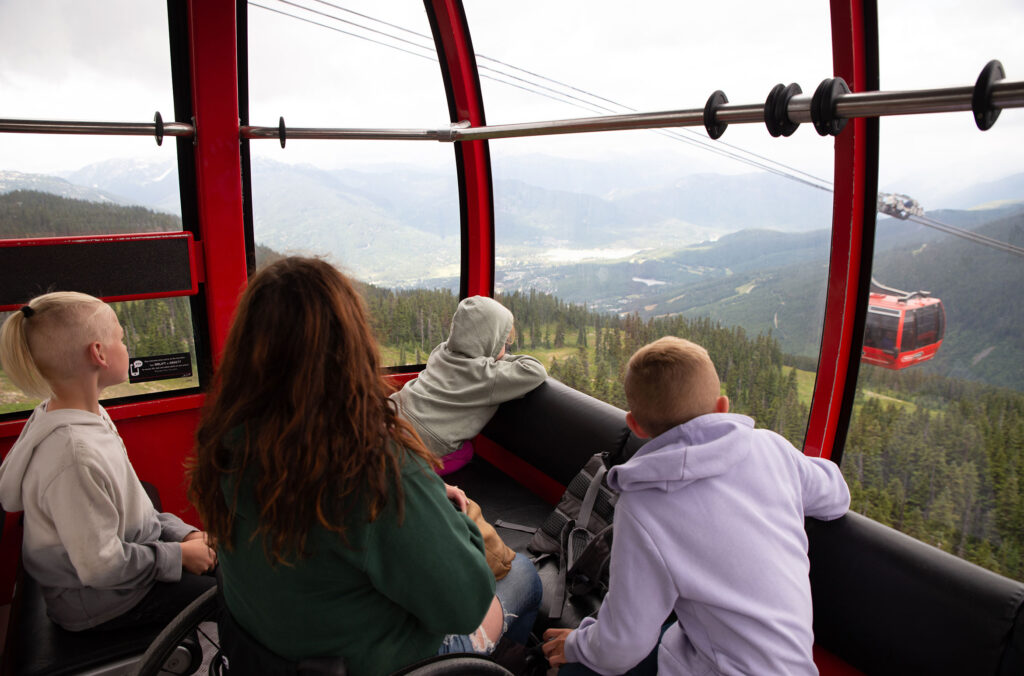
x=62, y=60
x=152, y=328
x=386, y=213
x=936, y=444
x=606, y=241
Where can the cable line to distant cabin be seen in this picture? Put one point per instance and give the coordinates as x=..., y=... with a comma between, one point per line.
x=969, y=235
x=684, y=135
x=689, y=137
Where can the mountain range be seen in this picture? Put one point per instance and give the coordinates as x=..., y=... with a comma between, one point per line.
x=750, y=250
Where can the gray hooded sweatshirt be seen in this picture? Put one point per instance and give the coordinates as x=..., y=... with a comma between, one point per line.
x=92, y=539
x=463, y=383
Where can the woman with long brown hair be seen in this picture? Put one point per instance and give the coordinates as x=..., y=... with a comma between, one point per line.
x=335, y=536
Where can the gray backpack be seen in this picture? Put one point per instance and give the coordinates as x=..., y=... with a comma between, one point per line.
x=578, y=533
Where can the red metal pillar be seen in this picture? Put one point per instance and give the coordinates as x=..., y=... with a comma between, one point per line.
x=472, y=158
x=855, y=172
x=218, y=162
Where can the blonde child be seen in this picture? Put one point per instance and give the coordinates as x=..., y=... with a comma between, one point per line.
x=102, y=555
x=710, y=525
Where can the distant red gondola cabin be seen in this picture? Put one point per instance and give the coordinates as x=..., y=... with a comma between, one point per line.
x=902, y=331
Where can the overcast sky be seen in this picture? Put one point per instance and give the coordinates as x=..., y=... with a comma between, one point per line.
x=108, y=60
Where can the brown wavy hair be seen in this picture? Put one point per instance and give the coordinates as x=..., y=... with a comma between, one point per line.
x=301, y=379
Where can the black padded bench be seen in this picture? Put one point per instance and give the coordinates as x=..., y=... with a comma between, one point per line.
x=36, y=646
x=884, y=602
x=889, y=604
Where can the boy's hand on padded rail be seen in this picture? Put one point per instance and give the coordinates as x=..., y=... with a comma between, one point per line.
x=554, y=646
x=197, y=556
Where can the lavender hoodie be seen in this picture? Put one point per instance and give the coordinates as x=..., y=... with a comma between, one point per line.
x=710, y=524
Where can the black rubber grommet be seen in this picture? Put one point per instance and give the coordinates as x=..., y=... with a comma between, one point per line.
x=776, y=110
x=823, y=106
x=985, y=114
x=714, y=127
x=281, y=132
x=158, y=121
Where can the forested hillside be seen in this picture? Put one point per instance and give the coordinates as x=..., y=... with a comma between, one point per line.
x=26, y=213
x=942, y=460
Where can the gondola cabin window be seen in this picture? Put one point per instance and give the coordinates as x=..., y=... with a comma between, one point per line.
x=384, y=212
x=934, y=447
x=883, y=328
x=59, y=191
x=607, y=241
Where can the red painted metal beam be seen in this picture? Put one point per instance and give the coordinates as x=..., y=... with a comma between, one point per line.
x=472, y=158
x=218, y=161
x=849, y=59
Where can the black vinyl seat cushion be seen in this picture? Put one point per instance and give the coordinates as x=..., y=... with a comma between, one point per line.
x=501, y=498
x=37, y=646
x=40, y=647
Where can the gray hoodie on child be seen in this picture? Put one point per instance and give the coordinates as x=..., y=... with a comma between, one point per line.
x=463, y=383
x=92, y=539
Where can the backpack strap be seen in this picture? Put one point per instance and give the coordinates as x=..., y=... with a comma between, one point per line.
x=585, y=571
x=579, y=534
x=558, y=592
x=590, y=497
x=501, y=523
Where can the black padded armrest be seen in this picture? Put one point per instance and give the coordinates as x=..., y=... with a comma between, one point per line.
x=556, y=428
x=889, y=604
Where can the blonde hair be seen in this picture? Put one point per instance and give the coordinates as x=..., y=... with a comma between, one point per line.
x=669, y=382
x=45, y=340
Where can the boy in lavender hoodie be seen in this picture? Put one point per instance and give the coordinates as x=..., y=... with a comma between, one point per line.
x=709, y=524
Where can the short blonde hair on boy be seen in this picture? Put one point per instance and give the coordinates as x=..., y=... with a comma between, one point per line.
x=46, y=341
x=669, y=382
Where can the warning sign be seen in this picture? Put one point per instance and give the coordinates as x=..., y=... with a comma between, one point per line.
x=159, y=367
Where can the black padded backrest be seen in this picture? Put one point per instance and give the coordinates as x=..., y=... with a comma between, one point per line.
x=556, y=428
x=889, y=604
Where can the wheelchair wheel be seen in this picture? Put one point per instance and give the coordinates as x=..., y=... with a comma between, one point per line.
x=184, y=644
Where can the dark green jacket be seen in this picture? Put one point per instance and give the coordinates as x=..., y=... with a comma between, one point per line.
x=384, y=601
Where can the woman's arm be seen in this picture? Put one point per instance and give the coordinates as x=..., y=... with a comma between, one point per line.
x=432, y=563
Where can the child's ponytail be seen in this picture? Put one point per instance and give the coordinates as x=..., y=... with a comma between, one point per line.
x=16, y=356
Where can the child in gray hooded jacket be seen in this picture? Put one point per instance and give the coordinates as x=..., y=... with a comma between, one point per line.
x=104, y=558
x=467, y=377
x=465, y=380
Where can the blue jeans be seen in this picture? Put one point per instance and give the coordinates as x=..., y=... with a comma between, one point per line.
x=519, y=593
